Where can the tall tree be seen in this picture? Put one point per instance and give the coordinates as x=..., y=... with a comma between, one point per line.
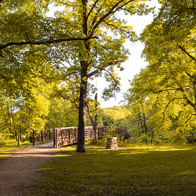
x=99, y=18
x=80, y=21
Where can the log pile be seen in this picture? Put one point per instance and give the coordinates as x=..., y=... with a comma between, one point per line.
x=112, y=143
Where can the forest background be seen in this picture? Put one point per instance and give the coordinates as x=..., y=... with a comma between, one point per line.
x=40, y=80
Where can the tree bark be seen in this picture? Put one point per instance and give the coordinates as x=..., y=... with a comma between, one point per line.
x=82, y=109
x=94, y=122
x=145, y=126
x=83, y=87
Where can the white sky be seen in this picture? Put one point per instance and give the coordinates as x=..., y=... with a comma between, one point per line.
x=134, y=63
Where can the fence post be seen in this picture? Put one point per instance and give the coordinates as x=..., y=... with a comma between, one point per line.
x=56, y=138
x=18, y=140
x=33, y=138
x=42, y=138
x=49, y=135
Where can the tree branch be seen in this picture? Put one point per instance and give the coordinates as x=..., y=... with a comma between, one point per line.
x=120, y=7
x=186, y=98
x=112, y=76
x=193, y=1
x=43, y=42
x=96, y=15
x=89, y=114
x=170, y=89
x=121, y=29
x=114, y=9
x=189, y=118
x=164, y=113
x=184, y=50
x=102, y=68
x=92, y=9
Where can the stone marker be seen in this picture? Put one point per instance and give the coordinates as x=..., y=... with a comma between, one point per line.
x=111, y=143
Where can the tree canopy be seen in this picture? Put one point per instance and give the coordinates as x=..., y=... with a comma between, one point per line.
x=166, y=87
x=83, y=40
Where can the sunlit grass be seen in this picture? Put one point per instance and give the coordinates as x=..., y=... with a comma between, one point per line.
x=134, y=170
x=9, y=147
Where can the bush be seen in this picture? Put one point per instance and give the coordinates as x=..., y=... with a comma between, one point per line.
x=100, y=142
x=178, y=137
x=144, y=139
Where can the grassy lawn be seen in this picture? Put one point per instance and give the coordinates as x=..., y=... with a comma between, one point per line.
x=9, y=147
x=136, y=170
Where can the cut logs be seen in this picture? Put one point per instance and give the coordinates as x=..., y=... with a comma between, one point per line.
x=112, y=143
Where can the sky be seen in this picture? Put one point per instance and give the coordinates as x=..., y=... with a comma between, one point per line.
x=134, y=63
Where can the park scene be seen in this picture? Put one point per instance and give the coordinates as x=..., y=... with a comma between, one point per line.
x=97, y=97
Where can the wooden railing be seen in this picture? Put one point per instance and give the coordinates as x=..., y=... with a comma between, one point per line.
x=43, y=136
x=68, y=135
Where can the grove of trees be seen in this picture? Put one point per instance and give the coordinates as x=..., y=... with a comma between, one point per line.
x=163, y=95
x=46, y=64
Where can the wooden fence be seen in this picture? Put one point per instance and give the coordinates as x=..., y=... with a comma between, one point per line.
x=68, y=135
x=43, y=136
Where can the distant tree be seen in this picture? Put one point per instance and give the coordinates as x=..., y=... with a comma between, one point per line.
x=21, y=115
x=116, y=115
x=93, y=116
x=62, y=113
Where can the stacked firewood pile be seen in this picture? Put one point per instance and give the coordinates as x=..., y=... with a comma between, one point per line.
x=112, y=143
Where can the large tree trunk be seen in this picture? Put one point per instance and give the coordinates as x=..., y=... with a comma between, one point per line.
x=83, y=86
x=82, y=109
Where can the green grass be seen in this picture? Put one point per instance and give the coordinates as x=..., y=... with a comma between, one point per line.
x=136, y=170
x=11, y=146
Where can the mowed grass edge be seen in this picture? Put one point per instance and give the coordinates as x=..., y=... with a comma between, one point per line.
x=136, y=170
x=9, y=147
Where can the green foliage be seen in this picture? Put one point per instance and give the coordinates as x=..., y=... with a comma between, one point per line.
x=116, y=115
x=164, y=92
x=99, y=142
x=8, y=145
x=61, y=114
x=20, y=115
x=111, y=131
x=35, y=49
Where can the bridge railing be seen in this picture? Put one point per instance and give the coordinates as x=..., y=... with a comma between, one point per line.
x=43, y=136
x=68, y=135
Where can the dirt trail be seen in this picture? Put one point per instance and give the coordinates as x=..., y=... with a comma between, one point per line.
x=18, y=172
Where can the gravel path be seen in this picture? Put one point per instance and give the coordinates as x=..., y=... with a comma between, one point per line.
x=18, y=172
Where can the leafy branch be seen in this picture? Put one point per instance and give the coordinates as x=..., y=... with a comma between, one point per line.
x=103, y=68
x=184, y=50
x=43, y=42
x=113, y=10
